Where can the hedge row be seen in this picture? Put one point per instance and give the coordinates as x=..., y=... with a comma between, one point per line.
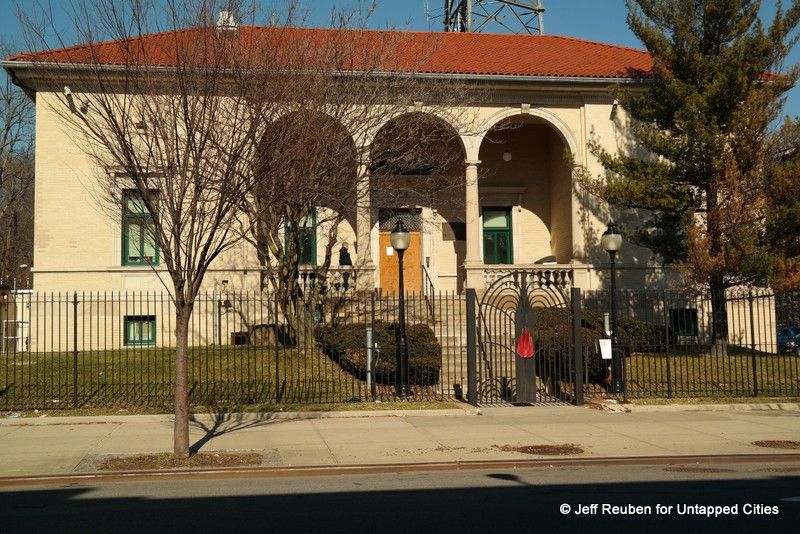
x=554, y=329
x=346, y=345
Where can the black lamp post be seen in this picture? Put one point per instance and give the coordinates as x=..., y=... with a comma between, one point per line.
x=400, y=241
x=612, y=241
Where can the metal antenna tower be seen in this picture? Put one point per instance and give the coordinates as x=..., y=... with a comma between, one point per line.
x=515, y=16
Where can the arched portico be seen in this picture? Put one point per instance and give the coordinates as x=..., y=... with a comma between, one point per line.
x=308, y=160
x=554, y=121
x=416, y=174
x=520, y=212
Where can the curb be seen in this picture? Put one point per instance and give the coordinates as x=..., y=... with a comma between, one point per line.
x=744, y=407
x=333, y=470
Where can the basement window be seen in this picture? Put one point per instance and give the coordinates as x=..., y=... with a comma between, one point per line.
x=140, y=330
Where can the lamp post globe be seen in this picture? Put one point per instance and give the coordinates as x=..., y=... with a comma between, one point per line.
x=400, y=237
x=401, y=240
x=611, y=239
x=611, y=242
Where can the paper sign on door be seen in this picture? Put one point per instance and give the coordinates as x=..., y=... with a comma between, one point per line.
x=605, y=348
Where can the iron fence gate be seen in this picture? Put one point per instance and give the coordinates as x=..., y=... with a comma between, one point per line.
x=523, y=337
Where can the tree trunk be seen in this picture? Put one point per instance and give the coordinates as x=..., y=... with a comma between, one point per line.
x=719, y=314
x=301, y=322
x=181, y=433
x=719, y=319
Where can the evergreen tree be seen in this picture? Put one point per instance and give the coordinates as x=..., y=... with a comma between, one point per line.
x=704, y=119
x=783, y=203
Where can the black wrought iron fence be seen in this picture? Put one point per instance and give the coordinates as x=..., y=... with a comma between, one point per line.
x=672, y=347
x=117, y=349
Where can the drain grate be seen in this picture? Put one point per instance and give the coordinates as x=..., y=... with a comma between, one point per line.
x=777, y=444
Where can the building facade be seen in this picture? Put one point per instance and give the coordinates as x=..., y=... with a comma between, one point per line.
x=543, y=99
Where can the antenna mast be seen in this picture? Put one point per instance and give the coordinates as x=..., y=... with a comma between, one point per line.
x=515, y=16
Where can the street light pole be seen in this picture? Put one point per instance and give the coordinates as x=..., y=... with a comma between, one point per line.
x=400, y=240
x=612, y=241
x=613, y=255
x=402, y=343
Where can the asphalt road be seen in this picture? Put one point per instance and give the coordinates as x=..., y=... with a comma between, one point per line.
x=758, y=496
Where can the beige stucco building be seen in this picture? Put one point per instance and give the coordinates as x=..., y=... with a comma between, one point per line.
x=543, y=97
x=532, y=106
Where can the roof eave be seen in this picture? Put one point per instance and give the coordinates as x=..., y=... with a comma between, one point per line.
x=12, y=66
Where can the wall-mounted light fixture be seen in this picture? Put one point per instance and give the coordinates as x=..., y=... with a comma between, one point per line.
x=614, y=106
x=70, y=99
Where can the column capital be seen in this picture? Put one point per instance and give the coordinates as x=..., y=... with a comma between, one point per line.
x=470, y=162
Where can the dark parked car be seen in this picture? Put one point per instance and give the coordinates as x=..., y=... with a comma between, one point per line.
x=789, y=340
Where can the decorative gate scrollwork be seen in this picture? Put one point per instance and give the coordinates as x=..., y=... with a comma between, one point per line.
x=525, y=337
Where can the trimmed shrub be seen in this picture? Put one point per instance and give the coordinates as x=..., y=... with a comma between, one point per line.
x=633, y=335
x=554, y=330
x=346, y=345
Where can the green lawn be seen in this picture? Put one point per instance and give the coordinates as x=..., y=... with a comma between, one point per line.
x=218, y=376
x=262, y=378
x=691, y=371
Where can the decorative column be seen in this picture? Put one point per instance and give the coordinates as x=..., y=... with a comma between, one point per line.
x=473, y=263
x=363, y=263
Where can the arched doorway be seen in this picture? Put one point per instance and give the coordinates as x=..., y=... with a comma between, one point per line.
x=417, y=175
x=525, y=194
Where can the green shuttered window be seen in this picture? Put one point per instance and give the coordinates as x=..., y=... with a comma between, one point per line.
x=306, y=239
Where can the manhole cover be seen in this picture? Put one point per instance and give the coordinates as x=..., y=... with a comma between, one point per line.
x=545, y=450
x=778, y=444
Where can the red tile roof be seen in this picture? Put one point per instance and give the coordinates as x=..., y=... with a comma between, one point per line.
x=426, y=52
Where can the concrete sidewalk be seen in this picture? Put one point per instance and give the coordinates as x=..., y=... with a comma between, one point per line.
x=71, y=445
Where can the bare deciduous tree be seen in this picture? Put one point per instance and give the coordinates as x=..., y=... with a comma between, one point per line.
x=16, y=177
x=212, y=133
x=355, y=115
x=165, y=111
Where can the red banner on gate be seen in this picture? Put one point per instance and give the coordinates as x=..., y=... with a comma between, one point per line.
x=525, y=347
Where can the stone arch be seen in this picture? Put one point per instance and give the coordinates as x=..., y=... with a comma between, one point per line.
x=527, y=181
x=441, y=115
x=308, y=158
x=416, y=171
x=422, y=122
x=552, y=120
x=330, y=136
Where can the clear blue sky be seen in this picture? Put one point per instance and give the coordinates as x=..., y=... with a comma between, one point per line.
x=597, y=20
